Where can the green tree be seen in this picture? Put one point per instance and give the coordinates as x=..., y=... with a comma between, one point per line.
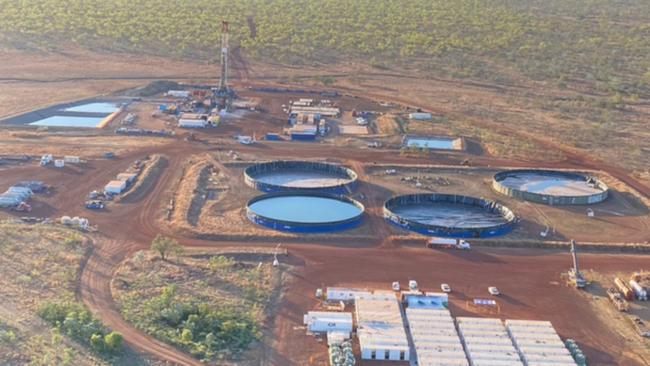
x=164, y=245
x=97, y=342
x=113, y=342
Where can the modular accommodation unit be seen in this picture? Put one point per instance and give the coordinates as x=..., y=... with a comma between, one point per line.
x=332, y=112
x=179, y=93
x=343, y=294
x=380, y=328
x=192, y=120
x=538, y=343
x=328, y=321
x=421, y=116
x=115, y=187
x=127, y=177
x=303, y=132
x=434, y=337
x=486, y=342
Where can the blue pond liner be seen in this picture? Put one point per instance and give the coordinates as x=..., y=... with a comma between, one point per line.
x=305, y=212
x=448, y=215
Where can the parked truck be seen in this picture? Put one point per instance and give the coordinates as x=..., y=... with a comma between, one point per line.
x=447, y=243
x=617, y=299
x=624, y=289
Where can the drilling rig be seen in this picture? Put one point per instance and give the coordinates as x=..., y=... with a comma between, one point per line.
x=223, y=94
x=576, y=279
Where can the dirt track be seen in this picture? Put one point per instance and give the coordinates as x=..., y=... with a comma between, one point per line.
x=128, y=227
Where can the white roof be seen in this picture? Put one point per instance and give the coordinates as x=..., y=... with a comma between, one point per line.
x=115, y=183
x=538, y=343
x=434, y=337
x=487, y=342
x=379, y=324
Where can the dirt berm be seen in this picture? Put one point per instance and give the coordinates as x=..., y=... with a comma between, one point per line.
x=146, y=179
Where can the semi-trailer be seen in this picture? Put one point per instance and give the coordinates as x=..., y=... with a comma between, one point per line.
x=624, y=289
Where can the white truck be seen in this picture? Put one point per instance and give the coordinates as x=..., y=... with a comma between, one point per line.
x=447, y=243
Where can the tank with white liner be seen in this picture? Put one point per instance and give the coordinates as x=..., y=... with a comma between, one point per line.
x=639, y=291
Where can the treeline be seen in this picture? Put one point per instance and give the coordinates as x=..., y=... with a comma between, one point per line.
x=602, y=41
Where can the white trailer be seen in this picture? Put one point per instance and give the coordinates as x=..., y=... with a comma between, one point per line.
x=447, y=243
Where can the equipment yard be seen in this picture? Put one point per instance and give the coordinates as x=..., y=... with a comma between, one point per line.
x=234, y=222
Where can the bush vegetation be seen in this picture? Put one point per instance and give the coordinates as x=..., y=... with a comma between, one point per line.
x=73, y=320
x=212, y=306
x=604, y=42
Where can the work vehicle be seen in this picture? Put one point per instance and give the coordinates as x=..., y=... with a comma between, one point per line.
x=445, y=288
x=95, y=205
x=493, y=291
x=396, y=286
x=447, y=243
x=413, y=285
x=22, y=207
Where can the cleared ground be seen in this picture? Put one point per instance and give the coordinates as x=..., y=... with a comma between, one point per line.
x=530, y=279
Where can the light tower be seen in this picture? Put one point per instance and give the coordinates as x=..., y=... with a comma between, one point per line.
x=223, y=82
x=224, y=94
x=575, y=276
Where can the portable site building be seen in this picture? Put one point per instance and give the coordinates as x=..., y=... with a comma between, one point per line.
x=71, y=159
x=380, y=329
x=487, y=342
x=115, y=187
x=127, y=177
x=434, y=337
x=192, y=120
x=419, y=116
x=179, y=93
x=343, y=294
x=538, y=343
x=328, y=321
x=303, y=132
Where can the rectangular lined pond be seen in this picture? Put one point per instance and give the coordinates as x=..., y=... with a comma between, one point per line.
x=68, y=121
x=440, y=143
x=98, y=107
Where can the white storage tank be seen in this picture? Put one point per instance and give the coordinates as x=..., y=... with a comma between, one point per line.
x=639, y=291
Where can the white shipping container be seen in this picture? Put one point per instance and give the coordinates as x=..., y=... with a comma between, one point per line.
x=71, y=159
x=192, y=123
x=59, y=163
